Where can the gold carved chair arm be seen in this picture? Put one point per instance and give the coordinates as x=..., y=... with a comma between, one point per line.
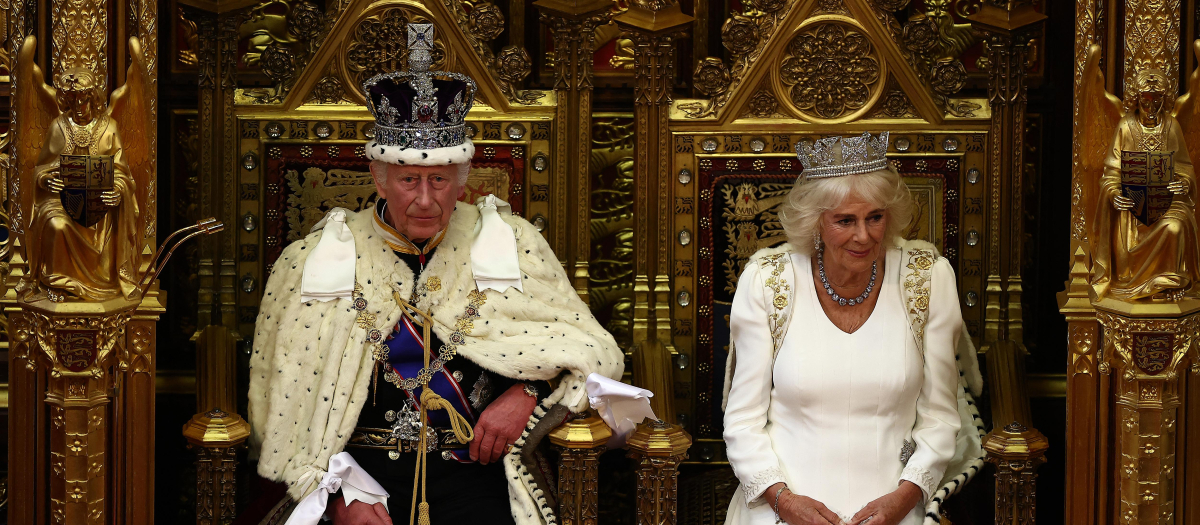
x=580, y=442
x=1013, y=446
x=217, y=432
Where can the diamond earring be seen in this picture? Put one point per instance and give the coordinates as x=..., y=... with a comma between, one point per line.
x=817, y=242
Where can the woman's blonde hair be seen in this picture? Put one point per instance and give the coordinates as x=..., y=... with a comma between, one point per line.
x=801, y=214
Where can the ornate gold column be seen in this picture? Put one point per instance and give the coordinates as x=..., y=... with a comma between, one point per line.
x=1013, y=446
x=1017, y=452
x=207, y=106
x=654, y=26
x=216, y=433
x=87, y=368
x=573, y=25
x=1087, y=405
x=79, y=345
x=26, y=441
x=1148, y=345
x=1151, y=42
x=659, y=448
x=580, y=442
x=133, y=452
x=71, y=19
x=217, y=61
x=1008, y=27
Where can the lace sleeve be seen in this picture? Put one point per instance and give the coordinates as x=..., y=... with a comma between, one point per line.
x=921, y=478
x=759, y=484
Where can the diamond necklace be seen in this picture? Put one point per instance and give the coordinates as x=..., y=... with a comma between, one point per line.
x=829, y=289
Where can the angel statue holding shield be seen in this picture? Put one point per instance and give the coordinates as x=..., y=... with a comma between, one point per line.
x=1139, y=188
x=85, y=172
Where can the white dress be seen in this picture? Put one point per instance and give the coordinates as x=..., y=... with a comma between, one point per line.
x=832, y=414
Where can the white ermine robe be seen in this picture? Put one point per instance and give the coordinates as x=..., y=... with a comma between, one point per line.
x=311, y=367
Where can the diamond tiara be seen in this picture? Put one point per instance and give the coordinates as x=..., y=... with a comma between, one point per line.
x=837, y=156
x=424, y=125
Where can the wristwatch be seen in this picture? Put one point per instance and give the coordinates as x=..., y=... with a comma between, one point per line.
x=531, y=390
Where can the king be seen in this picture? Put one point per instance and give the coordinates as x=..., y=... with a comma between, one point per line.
x=420, y=347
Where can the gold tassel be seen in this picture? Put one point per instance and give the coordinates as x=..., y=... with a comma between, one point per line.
x=423, y=509
x=458, y=424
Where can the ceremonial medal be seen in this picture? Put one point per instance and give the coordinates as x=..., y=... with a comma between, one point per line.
x=406, y=429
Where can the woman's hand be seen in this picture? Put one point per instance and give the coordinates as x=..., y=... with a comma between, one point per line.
x=357, y=513
x=801, y=510
x=890, y=508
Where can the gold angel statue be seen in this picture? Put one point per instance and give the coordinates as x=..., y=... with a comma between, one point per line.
x=1139, y=186
x=84, y=168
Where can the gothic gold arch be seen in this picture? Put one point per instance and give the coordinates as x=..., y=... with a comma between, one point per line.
x=334, y=63
x=760, y=44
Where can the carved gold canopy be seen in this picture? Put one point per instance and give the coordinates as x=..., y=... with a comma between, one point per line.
x=299, y=149
x=802, y=70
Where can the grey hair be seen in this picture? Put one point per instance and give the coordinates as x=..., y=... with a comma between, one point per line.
x=801, y=213
x=464, y=170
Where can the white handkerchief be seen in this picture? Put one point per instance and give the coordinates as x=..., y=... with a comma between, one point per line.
x=329, y=269
x=494, y=251
x=621, y=406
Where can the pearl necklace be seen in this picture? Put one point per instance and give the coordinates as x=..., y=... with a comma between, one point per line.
x=842, y=301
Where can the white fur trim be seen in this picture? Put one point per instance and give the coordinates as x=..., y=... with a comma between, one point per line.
x=311, y=369
x=527, y=502
x=421, y=157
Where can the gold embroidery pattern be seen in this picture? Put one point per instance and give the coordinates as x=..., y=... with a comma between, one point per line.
x=777, y=320
x=463, y=326
x=916, y=288
x=433, y=284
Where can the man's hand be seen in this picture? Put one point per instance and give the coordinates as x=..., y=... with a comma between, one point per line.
x=111, y=198
x=357, y=513
x=890, y=508
x=1178, y=187
x=501, y=424
x=1122, y=203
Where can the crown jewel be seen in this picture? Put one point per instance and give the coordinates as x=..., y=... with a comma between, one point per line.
x=418, y=108
x=837, y=156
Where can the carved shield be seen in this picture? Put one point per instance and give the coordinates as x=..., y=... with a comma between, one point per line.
x=85, y=177
x=1144, y=179
x=77, y=349
x=1152, y=351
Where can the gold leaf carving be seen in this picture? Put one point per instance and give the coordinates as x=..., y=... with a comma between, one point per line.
x=379, y=44
x=831, y=71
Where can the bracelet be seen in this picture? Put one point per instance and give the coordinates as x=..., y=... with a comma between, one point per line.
x=777, y=494
x=531, y=390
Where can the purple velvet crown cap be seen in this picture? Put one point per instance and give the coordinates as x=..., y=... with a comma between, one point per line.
x=401, y=95
x=420, y=114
